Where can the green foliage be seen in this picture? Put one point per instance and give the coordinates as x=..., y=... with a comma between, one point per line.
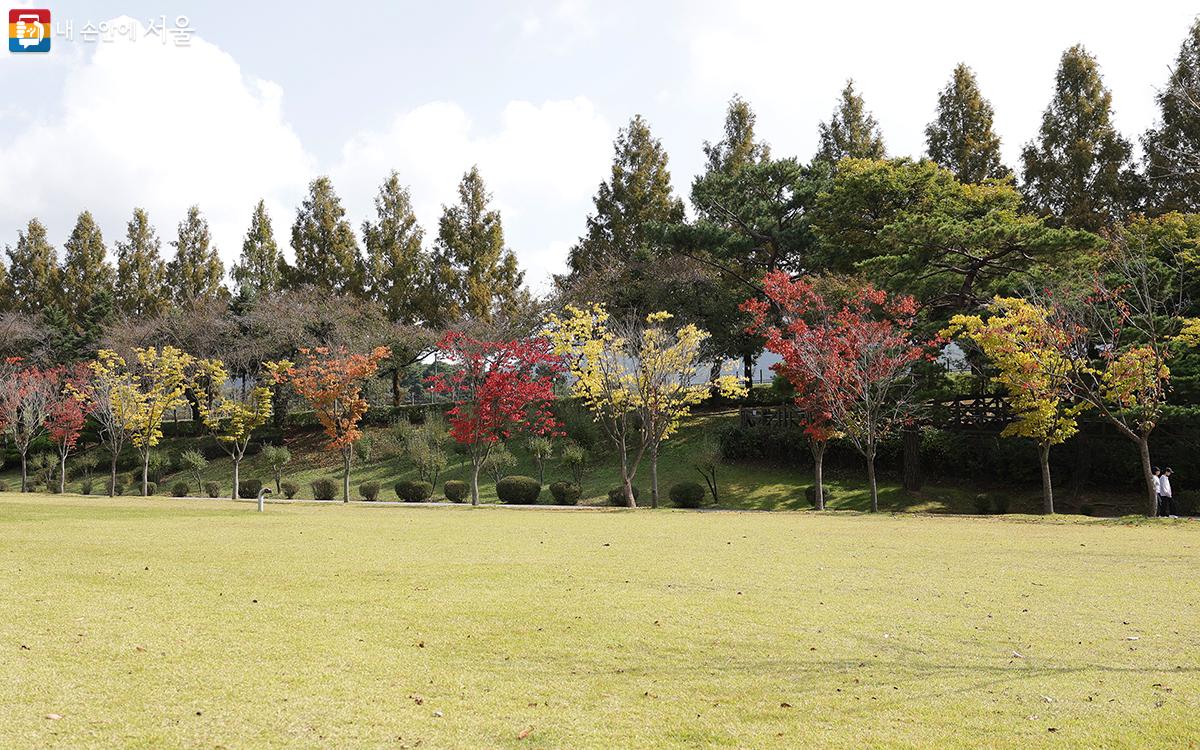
x=961, y=139
x=3, y=486
x=565, y=493
x=260, y=268
x=324, y=489
x=413, y=491
x=289, y=489
x=249, y=488
x=399, y=272
x=810, y=494
x=157, y=465
x=141, y=274
x=456, y=491
x=574, y=458
x=851, y=132
x=180, y=489
x=1079, y=169
x=541, y=449
x=276, y=457
x=499, y=459
x=86, y=272
x=86, y=486
x=196, y=271
x=326, y=248
x=687, y=495
x=33, y=275
x=518, y=490
x=369, y=491
x=212, y=489
x=1173, y=144
x=114, y=488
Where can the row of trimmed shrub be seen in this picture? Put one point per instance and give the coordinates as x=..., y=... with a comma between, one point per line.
x=513, y=490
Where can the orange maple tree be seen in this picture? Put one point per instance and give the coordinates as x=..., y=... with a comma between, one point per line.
x=331, y=380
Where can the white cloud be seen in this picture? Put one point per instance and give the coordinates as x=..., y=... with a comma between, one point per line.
x=542, y=164
x=156, y=126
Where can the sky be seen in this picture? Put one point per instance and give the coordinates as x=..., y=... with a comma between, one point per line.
x=268, y=95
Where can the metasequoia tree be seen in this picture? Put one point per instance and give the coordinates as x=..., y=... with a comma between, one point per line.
x=640, y=380
x=1030, y=353
x=331, y=380
x=232, y=412
x=27, y=396
x=499, y=389
x=859, y=344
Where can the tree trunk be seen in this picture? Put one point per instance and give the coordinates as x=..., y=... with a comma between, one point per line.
x=396, y=395
x=654, y=477
x=237, y=467
x=913, y=478
x=871, y=479
x=346, y=474
x=818, y=453
x=627, y=482
x=24, y=474
x=1148, y=474
x=475, y=466
x=146, y=474
x=748, y=370
x=112, y=479
x=62, y=473
x=1047, y=487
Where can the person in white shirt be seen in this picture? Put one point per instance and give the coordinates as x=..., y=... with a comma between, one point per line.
x=1164, y=494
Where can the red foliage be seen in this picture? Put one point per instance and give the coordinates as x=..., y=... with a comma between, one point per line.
x=27, y=395
x=499, y=388
x=844, y=359
x=69, y=411
x=331, y=381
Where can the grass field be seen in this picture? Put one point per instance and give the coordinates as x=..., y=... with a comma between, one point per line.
x=182, y=623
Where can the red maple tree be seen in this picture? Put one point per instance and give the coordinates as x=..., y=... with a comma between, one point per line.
x=499, y=389
x=27, y=394
x=848, y=354
x=66, y=418
x=331, y=381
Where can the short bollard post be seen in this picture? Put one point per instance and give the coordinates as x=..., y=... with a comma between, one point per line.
x=261, y=494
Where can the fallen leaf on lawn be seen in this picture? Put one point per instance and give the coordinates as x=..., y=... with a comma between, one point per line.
x=437, y=714
x=53, y=717
x=1018, y=655
x=1132, y=638
x=417, y=699
x=785, y=705
x=139, y=648
x=524, y=733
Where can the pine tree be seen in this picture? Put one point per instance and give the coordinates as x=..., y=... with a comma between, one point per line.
x=6, y=294
x=627, y=207
x=86, y=271
x=33, y=270
x=1079, y=170
x=851, y=132
x=141, y=274
x=477, y=274
x=397, y=268
x=961, y=139
x=1172, y=148
x=326, y=249
x=196, y=271
x=260, y=269
x=738, y=147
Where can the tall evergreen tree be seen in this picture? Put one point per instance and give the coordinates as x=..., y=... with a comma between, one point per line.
x=196, y=271
x=6, y=295
x=636, y=197
x=33, y=270
x=738, y=148
x=1172, y=149
x=141, y=273
x=851, y=131
x=327, y=255
x=477, y=274
x=961, y=139
x=1079, y=169
x=397, y=268
x=260, y=269
x=86, y=271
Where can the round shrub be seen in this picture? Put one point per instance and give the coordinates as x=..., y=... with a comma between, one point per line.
x=565, y=493
x=289, y=489
x=85, y=487
x=616, y=496
x=111, y=489
x=456, y=491
x=518, y=490
x=248, y=489
x=687, y=495
x=324, y=489
x=212, y=489
x=413, y=491
x=3, y=486
x=180, y=489
x=810, y=494
x=982, y=504
x=369, y=491
x=151, y=488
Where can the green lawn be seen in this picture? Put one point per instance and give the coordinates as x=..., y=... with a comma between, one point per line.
x=193, y=623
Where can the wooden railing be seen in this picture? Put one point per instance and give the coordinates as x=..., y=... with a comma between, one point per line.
x=952, y=413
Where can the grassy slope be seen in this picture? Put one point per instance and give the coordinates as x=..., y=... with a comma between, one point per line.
x=742, y=486
x=158, y=623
